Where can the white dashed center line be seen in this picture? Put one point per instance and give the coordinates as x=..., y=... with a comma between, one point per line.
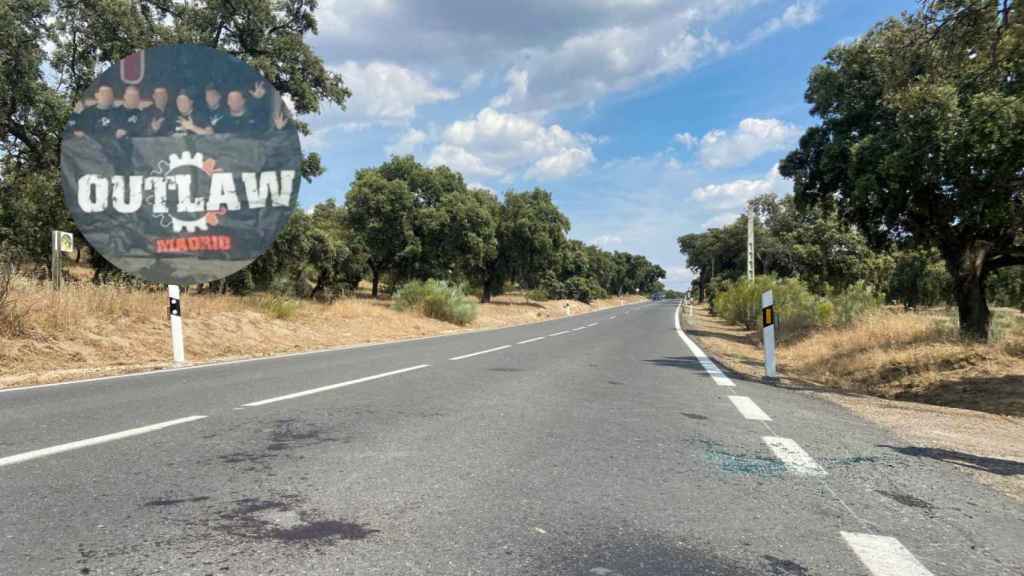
x=749, y=409
x=793, y=456
x=559, y=333
x=884, y=556
x=612, y=317
x=592, y=324
x=531, y=340
x=333, y=386
x=25, y=456
x=488, y=351
x=578, y=329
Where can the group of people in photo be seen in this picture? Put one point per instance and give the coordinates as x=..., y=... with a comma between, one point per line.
x=238, y=111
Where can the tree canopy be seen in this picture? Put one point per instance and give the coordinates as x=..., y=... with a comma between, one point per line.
x=921, y=140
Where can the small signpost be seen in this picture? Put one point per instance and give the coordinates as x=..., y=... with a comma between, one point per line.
x=62, y=243
x=768, y=332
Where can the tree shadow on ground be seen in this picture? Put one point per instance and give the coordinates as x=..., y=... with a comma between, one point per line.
x=998, y=466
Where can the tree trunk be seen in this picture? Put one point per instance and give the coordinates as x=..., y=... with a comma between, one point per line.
x=967, y=267
x=488, y=290
x=376, y=283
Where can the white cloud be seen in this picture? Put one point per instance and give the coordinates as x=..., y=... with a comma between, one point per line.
x=408, y=142
x=735, y=194
x=753, y=138
x=472, y=81
x=496, y=144
x=687, y=140
x=722, y=219
x=797, y=15
x=607, y=240
x=588, y=66
x=388, y=93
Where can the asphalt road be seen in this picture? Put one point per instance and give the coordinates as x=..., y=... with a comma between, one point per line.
x=605, y=448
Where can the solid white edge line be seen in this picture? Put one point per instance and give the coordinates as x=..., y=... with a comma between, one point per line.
x=793, y=456
x=25, y=456
x=531, y=340
x=749, y=409
x=489, y=350
x=884, y=555
x=332, y=386
x=716, y=374
x=219, y=363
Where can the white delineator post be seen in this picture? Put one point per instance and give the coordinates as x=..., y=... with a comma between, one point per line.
x=177, y=336
x=768, y=332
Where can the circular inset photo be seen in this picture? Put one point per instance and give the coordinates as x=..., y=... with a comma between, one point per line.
x=181, y=164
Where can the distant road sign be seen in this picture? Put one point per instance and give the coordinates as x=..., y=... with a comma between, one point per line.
x=66, y=242
x=184, y=166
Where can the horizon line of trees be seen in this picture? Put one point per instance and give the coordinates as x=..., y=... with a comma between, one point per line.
x=402, y=221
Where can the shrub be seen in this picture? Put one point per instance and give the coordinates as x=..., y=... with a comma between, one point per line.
x=855, y=302
x=276, y=306
x=436, y=299
x=797, y=309
x=537, y=295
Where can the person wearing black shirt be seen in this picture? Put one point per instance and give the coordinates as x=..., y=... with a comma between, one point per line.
x=190, y=120
x=238, y=120
x=215, y=110
x=132, y=120
x=100, y=120
x=158, y=117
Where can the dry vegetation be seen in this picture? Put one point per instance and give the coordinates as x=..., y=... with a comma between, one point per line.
x=89, y=330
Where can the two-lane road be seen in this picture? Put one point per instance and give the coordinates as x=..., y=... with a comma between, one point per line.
x=604, y=443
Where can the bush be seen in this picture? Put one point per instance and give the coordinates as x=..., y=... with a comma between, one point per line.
x=436, y=299
x=797, y=309
x=853, y=303
x=279, y=307
x=537, y=295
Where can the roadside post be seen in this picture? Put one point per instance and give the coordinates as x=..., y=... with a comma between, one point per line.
x=768, y=332
x=192, y=203
x=61, y=243
x=177, y=335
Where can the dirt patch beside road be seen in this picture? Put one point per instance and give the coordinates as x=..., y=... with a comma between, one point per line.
x=986, y=440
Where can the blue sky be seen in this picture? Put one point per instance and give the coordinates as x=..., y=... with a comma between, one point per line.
x=646, y=119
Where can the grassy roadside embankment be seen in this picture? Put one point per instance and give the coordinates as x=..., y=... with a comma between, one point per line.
x=962, y=403
x=87, y=331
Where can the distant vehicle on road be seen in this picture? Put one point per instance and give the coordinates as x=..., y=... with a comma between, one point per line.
x=658, y=296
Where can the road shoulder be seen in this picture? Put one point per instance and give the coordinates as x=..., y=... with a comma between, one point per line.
x=990, y=447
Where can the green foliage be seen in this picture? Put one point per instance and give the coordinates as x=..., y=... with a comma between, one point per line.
x=1006, y=287
x=854, y=303
x=922, y=140
x=277, y=306
x=797, y=309
x=920, y=279
x=436, y=299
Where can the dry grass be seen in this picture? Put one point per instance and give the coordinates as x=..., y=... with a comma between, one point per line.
x=88, y=330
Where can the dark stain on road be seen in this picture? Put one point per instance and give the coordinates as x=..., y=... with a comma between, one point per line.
x=906, y=499
x=616, y=383
x=260, y=520
x=506, y=369
x=322, y=530
x=175, y=501
x=693, y=416
x=780, y=567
